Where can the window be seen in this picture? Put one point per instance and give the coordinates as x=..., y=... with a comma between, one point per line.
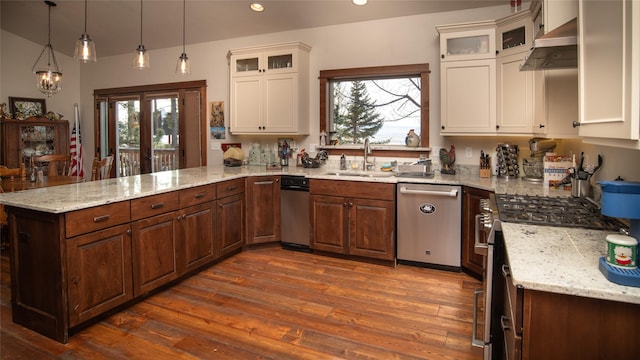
x=379, y=103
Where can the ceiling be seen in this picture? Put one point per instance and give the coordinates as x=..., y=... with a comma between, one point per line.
x=114, y=25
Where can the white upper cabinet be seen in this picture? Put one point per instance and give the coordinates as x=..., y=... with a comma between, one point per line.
x=270, y=89
x=515, y=88
x=467, y=78
x=609, y=72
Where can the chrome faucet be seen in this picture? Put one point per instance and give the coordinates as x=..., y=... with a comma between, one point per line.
x=367, y=150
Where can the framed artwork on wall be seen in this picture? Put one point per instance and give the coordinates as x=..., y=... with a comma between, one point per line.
x=23, y=108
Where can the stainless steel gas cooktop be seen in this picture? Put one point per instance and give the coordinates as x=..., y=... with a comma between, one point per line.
x=554, y=211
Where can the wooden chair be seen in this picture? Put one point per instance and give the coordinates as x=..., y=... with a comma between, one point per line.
x=58, y=165
x=12, y=174
x=101, y=169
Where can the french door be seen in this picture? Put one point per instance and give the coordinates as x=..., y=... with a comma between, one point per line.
x=151, y=131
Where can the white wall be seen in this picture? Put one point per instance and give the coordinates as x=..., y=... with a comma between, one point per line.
x=16, y=78
x=404, y=40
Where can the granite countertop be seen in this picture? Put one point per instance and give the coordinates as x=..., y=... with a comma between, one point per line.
x=542, y=258
x=61, y=199
x=562, y=260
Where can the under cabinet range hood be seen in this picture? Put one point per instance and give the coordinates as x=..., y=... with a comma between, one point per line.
x=557, y=49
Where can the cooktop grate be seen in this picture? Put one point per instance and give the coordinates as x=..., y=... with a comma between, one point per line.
x=550, y=211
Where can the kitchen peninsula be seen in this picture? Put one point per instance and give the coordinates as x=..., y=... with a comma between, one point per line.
x=61, y=237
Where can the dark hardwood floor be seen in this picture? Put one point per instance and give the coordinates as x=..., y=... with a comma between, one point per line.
x=270, y=303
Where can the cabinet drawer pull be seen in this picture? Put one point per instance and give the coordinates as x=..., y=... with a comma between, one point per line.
x=200, y=195
x=233, y=187
x=157, y=206
x=505, y=271
x=101, y=218
x=504, y=322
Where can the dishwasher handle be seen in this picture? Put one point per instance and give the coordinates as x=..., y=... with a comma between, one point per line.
x=450, y=193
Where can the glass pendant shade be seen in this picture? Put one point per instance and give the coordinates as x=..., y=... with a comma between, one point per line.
x=184, y=66
x=48, y=74
x=85, y=49
x=141, y=58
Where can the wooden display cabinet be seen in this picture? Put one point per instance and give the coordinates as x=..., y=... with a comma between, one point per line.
x=22, y=139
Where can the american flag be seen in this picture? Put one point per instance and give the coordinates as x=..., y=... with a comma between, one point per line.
x=77, y=168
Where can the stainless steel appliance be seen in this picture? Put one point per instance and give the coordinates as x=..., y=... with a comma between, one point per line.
x=294, y=206
x=489, y=241
x=428, y=224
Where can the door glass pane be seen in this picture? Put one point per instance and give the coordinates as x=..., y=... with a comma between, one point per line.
x=164, y=137
x=103, y=113
x=127, y=114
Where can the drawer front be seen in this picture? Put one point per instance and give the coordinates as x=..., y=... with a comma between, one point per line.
x=197, y=195
x=96, y=218
x=231, y=187
x=154, y=205
x=353, y=189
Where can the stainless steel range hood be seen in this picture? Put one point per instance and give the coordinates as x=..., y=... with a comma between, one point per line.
x=557, y=49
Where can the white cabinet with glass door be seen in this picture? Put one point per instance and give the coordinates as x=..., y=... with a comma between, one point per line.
x=609, y=72
x=270, y=89
x=468, y=78
x=515, y=88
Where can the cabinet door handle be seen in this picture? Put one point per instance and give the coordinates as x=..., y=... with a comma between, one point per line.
x=101, y=218
x=157, y=206
x=506, y=272
x=479, y=247
x=504, y=322
x=474, y=331
x=129, y=232
x=344, y=204
x=199, y=196
x=575, y=124
x=232, y=187
x=541, y=126
x=442, y=56
x=442, y=127
x=75, y=280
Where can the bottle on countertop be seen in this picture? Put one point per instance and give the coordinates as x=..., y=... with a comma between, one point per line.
x=343, y=162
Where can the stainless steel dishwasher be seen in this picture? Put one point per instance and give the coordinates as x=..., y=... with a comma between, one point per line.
x=294, y=207
x=429, y=224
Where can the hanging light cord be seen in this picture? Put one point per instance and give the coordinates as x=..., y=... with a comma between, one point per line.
x=49, y=37
x=184, y=9
x=140, y=22
x=85, y=16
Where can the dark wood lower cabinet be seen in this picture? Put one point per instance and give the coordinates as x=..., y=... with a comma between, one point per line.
x=263, y=209
x=230, y=213
x=154, y=252
x=99, y=266
x=69, y=268
x=546, y=325
x=353, y=218
x=196, y=231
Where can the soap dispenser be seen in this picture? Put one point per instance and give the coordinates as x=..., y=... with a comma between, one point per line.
x=343, y=162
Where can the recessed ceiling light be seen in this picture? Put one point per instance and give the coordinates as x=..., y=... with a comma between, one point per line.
x=258, y=7
x=359, y=2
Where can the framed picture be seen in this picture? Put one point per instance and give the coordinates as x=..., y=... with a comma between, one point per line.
x=23, y=108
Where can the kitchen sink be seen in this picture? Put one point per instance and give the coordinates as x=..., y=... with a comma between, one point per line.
x=360, y=174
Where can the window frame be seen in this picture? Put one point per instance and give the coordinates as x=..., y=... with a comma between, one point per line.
x=421, y=70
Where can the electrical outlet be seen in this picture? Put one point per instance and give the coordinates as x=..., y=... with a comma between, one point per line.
x=468, y=152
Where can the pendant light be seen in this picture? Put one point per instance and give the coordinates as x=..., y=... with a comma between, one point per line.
x=184, y=66
x=48, y=75
x=85, y=47
x=141, y=58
